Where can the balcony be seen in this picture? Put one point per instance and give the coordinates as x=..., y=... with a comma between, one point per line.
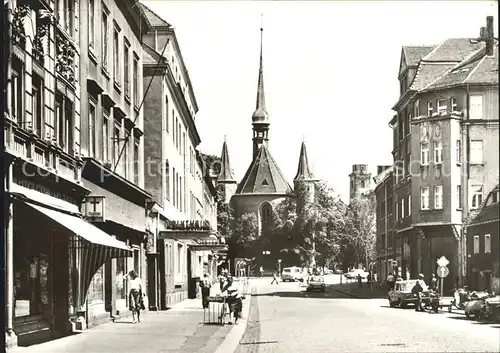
x=65, y=57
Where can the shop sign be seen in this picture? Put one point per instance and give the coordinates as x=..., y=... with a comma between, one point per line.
x=43, y=190
x=95, y=208
x=151, y=243
x=188, y=225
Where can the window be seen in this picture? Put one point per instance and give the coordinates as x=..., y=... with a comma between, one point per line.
x=179, y=259
x=266, y=215
x=362, y=184
x=459, y=196
x=116, y=53
x=181, y=195
x=136, y=161
x=17, y=90
x=487, y=244
x=430, y=108
x=135, y=98
x=403, y=208
x=438, y=152
x=126, y=74
x=174, y=187
x=92, y=136
x=424, y=198
x=91, y=27
x=126, y=155
x=37, y=106
x=116, y=143
x=104, y=37
x=459, y=152
x=409, y=205
x=442, y=106
x=477, y=196
x=65, y=13
x=417, y=108
x=476, y=244
x=476, y=152
x=105, y=136
x=424, y=153
x=476, y=107
x=397, y=211
x=121, y=281
x=438, y=197
x=494, y=197
x=96, y=288
x=167, y=179
x=64, y=119
x=453, y=104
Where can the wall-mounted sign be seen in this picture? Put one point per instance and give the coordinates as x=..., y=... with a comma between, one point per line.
x=95, y=208
x=188, y=225
x=28, y=184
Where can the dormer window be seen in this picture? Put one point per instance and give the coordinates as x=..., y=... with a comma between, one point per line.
x=430, y=108
x=442, y=106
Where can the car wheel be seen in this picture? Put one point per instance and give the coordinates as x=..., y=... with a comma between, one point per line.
x=468, y=315
x=391, y=304
x=403, y=305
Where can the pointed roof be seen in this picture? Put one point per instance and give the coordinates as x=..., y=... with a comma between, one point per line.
x=413, y=54
x=260, y=115
x=263, y=176
x=153, y=19
x=303, y=170
x=226, y=174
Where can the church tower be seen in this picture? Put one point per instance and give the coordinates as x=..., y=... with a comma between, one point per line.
x=226, y=184
x=260, y=118
x=360, y=181
x=304, y=181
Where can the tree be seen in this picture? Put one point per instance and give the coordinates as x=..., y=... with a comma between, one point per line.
x=359, y=243
x=225, y=219
x=243, y=240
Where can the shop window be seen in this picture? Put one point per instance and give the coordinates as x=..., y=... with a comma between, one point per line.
x=121, y=281
x=96, y=289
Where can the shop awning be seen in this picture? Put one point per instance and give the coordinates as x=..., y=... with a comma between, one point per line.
x=82, y=228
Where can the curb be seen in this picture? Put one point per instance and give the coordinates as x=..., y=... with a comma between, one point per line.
x=234, y=336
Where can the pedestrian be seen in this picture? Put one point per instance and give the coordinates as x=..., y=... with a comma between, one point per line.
x=233, y=299
x=434, y=282
x=261, y=271
x=206, y=284
x=222, y=281
x=135, y=296
x=275, y=278
x=390, y=281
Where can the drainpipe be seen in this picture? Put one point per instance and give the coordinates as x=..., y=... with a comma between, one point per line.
x=462, y=252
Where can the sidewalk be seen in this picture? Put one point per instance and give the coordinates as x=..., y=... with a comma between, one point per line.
x=179, y=329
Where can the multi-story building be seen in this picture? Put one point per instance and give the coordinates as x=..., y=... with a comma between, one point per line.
x=112, y=144
x=360, y=181
x=387, y=251
x=51, y=149
x=445, y=149
x=483, y=245
x=175, y=172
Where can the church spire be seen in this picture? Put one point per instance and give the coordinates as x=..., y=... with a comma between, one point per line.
x=226, y=174
x=303, y=171
x=260, y=115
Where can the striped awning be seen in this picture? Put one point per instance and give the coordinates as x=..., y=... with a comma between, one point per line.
x=93, y=248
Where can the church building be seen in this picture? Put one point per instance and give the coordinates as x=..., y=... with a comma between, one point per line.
x=263, y=186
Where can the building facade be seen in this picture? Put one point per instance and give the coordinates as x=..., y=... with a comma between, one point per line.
x=175, y=172
x=387, y=250
x=483, y=245
x=445, y=150
x=51, y=259
x=112, y=137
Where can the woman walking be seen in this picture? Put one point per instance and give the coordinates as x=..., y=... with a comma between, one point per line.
x=135, y=299
x=233, y=299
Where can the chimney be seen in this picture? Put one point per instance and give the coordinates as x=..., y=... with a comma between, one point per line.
x=489, y=36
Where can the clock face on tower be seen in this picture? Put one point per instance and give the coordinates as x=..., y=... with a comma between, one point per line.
x=216, y=167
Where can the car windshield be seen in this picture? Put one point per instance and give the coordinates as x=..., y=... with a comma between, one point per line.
x=317, y=279
x=407, y=285
x=287, y=270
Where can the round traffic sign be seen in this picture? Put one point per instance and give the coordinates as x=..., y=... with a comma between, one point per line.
x=443, y=271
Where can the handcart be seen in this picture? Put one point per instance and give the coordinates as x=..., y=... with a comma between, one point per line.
x=216, y=312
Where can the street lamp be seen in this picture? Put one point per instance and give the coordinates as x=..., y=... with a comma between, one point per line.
x=279, y=267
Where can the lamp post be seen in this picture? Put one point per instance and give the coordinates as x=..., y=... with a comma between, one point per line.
x=279, y=267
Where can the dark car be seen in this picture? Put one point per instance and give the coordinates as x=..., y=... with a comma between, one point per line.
x=316, y=283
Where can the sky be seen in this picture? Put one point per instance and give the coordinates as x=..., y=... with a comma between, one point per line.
x=330, y=73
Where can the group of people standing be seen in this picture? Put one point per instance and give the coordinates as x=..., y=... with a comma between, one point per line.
x=228, y=289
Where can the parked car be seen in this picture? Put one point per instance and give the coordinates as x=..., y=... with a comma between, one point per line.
x=475, y=308
x=402, y=294
x=353, y=274
x=316, y=283
x=492, y=308
x=291, y=274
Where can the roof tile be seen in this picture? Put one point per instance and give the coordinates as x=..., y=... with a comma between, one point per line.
x=153, y=18
x=413, y=54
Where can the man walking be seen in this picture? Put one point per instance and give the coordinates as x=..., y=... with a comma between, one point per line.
x=275, y=278
x=206, y=284
x=434, y=282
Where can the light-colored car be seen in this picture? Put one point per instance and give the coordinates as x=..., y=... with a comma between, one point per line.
x=291, y=274
x=316, y=283
x=402, y=294
x=353, y=274
x=492, y=308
